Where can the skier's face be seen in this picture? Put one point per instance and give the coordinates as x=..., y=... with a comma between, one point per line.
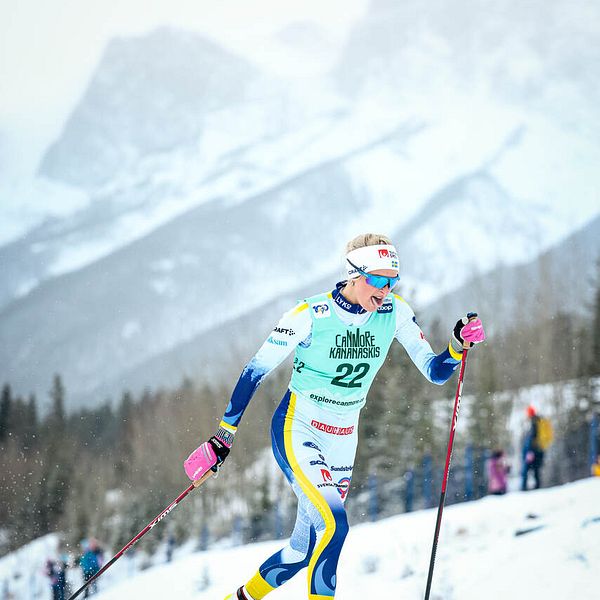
x=368, y=296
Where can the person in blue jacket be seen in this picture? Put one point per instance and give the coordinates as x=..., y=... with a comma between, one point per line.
x=532, y=454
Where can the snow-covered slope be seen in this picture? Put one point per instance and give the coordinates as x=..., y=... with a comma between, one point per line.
x=479, y=555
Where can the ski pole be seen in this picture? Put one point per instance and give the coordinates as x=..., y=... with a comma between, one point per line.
x=438, y=523
x=143, y=532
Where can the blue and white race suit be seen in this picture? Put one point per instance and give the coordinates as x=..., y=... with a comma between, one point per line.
x=338, y=349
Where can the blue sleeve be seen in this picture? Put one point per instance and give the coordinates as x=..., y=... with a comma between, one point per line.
x=249, y=380
x=437, y=368
x=441, y=367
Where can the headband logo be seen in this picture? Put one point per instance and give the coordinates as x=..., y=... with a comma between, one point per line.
x=384, y=253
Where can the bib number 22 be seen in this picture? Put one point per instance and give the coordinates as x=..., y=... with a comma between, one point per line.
x=346, y=370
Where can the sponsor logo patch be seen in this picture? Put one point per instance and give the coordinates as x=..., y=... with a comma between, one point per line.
x=276, y=342
x=320, y=310
x=332, y=429
x=285, y=330
x=343, y=487
x=313, y=446
x=326, y=475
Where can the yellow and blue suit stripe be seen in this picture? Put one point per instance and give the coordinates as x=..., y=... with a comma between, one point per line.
x=306, y=456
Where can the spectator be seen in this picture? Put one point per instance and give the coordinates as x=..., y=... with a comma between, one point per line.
x=596, y=467
x=56, y=572
x=91, y=563
x=170, y=546
x=497, y=473
x=533, y=449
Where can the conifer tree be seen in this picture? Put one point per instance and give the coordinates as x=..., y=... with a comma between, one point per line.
x=5, y=410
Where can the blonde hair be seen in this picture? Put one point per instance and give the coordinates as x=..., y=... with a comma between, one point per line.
x=367, y=239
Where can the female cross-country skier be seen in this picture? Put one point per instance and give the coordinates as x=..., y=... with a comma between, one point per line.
x=340, y=339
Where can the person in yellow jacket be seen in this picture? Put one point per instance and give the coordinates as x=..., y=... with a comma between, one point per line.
x=596, y=467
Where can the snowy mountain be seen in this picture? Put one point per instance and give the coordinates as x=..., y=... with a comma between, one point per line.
x=564, y=278
x=202, y=206
x=537, y=544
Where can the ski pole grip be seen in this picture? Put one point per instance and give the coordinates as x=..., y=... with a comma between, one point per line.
x=202, y=479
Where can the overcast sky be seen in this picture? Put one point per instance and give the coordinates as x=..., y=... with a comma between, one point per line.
x=49, y=48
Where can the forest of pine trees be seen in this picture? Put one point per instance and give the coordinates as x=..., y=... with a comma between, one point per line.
x=107, y=471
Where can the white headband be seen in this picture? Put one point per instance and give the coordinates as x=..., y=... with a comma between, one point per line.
x=371, y=258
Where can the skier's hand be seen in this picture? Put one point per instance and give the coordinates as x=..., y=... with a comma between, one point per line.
x=467, y=332
x=210, y=455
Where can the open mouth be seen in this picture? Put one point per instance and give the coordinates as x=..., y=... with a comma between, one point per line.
x=376, y=301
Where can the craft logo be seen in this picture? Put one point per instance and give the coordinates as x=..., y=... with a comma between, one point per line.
x=354, y=344
x=332, y=429
x=285, y=330
x=354, y=270
x=343, y=486
x=321, y=310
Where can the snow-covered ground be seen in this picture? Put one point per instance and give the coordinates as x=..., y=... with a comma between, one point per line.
x=479, y=556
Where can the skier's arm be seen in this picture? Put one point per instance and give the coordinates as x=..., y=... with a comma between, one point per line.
x=437, y=368
x=293, y=328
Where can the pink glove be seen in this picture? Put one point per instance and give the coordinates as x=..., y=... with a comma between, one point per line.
x=473, y=331
x=210, y=455
x=468, y=330
x=200, y=461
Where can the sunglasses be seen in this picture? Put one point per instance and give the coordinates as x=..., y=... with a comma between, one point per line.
x=377, y=281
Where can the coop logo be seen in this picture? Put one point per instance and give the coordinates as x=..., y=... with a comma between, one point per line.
x=343, y=486
x=332, y=429
x=386, y=308
x=320, y=310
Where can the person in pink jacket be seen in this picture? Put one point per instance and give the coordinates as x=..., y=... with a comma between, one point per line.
x=497, y=473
